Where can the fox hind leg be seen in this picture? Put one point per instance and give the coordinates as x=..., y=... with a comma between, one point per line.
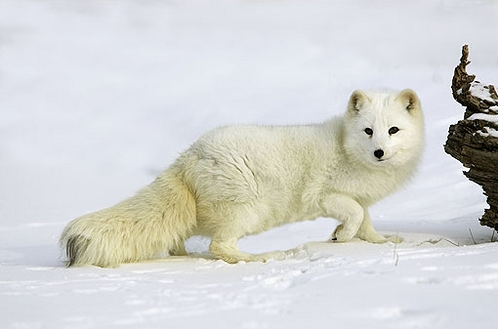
x=226, y=223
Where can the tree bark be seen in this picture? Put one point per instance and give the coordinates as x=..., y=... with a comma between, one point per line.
x=474, y=140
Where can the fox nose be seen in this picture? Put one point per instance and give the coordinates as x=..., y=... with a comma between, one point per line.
x=379, y=153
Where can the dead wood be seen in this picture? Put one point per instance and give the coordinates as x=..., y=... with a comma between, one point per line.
x=474, y=140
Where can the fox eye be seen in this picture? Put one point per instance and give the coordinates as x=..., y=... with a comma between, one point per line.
x=369, y=131
x=393, y=130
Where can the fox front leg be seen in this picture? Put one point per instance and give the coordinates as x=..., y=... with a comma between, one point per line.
x=368, y=233
x=346, y=210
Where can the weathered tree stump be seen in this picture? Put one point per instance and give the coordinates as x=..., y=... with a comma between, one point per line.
x=474, y=140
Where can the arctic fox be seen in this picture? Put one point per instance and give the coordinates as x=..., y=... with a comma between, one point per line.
x=241, y=180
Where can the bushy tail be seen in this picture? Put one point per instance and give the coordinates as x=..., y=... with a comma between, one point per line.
x=156, y=220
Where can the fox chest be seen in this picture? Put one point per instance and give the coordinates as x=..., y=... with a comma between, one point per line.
x=365, y=187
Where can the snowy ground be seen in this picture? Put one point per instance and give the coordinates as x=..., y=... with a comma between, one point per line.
x=96, y=97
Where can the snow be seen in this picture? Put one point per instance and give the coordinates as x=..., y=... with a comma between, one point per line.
x=482, y=92
x=488, y=132
x=485, y=117
x=97, y=97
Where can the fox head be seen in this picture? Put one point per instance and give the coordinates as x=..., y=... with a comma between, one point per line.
x=384, y=129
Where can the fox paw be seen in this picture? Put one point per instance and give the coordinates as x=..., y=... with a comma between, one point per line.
x=393, y=238
x=342, y=234
x=269, y=256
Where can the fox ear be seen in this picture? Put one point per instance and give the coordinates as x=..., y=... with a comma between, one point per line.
x=410, y=100
x=356, y=101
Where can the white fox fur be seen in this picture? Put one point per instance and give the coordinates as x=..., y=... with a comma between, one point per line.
x=241, y=180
